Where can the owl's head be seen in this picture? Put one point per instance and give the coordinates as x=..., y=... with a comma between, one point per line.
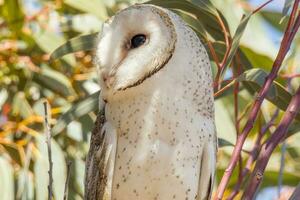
x=133, y=45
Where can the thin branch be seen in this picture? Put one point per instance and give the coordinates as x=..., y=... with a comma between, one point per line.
x=284, y=47
x=260, y=7
x=223, y=89
x=296, y=193
x=283, y=151
x=48, y=141
x=66, y=191
x=253, y=155
x=227, y=39
x=290, y=76
x=213, y=53
x=271, y=144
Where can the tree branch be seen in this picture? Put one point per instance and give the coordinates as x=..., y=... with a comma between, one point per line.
x=284, y=47
x=271, y=144
x=253, y=155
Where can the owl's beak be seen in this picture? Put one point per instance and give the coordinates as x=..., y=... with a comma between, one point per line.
x=108, y=79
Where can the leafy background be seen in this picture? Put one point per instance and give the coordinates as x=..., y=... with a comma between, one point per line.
x=30, y=30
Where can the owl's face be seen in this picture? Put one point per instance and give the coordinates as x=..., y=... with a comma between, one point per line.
x=133, y=45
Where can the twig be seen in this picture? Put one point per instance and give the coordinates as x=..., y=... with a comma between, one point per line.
x=223, y=89
x=253, y=155
x=289, y=76
x=260, y=7
x=227, y=39
x=213, y=53
x=268, y=148
x=66, y=191
x=283, y=151
x=48, y=141
x=296, y=193
x=284, y=47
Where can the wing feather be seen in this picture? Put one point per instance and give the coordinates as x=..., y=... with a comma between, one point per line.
x=207, y=171
x=100, y=160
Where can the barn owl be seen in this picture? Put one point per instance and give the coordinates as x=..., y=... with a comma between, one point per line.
x=155, y=138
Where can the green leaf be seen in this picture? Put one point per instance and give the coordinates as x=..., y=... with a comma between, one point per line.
x=25, y=185
x=95, y=7
x=6, y=180
x=224, y=124
x=277, y=94
x=85, y=106
x=274, y=19
x=206, y=14
x=195, y=24
x=13, y=14
x=258, y=60
x=79, y=178
x=48, y=41
x=74, y=130
x=82, y=23
x=236, y=41
x=81, y=43
x=205, y=6
x=14, y=152
x=223, y=143
x=54, y=81
x=41, y=168
x=287, y=6
x=21, y=106
x=293, y=129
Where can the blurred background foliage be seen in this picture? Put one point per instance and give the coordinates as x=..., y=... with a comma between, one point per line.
x=31, y=29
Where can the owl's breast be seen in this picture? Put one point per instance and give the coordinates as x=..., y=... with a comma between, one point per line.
x=160, y=141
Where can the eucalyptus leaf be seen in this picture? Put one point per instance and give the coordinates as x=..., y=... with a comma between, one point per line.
x=236, y=41
x=95, y=7
x=41, y=168
x=223, y=143
x=48, y=41
x=79, y=179
x=6, y=180
x=25, y=185
x=274, y=19
x=277, y=94
x=195, y=24
x=206, y=14
x=81, y=108
x=74, y=130
x=21, y=106
x=55, y=81
x=13, y=14
x=287, y=6
x=257, y=60
x=81, y=43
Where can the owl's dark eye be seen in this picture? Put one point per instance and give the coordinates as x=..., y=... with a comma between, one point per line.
x=138, y=40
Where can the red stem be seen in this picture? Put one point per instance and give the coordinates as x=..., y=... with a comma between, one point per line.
x=260, y=7
x=284, y=47
x=253, y=155
x=268, y=148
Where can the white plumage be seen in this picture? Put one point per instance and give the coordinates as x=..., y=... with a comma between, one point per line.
x=159, y=132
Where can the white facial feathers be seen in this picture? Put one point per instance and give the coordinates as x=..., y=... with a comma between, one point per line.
x=122, y=66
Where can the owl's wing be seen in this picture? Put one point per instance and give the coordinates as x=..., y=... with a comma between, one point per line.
x=100, y=161
x=207, y=171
